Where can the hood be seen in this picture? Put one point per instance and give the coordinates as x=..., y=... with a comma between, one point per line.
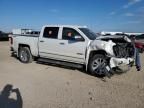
x=115, y=38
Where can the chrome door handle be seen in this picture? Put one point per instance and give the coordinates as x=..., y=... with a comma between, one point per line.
x=61, y=43
x=41, y=41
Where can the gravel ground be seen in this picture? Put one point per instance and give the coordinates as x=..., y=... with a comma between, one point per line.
x=45, y=86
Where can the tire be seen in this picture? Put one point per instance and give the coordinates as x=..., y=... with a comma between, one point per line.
x=97, y=65
x=140, y=50
x=25, y=55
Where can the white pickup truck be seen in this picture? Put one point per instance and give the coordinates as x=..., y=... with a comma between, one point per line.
x=74, y=46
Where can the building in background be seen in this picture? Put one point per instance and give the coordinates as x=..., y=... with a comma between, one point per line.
x=105, y=33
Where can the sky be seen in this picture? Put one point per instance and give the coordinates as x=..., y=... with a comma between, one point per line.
x=98, y=15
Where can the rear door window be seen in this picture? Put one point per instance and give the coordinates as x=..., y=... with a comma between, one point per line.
x=51, y=32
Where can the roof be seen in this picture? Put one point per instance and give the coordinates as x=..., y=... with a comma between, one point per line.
x=73, y=26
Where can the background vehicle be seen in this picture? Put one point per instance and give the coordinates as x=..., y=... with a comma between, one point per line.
x=3, y=36
x=75, y=46
x=140, y=46
x=139, y=42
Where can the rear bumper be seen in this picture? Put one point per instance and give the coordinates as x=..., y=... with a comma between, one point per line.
x=11, y=49
x=13, y=52
x=116, y=62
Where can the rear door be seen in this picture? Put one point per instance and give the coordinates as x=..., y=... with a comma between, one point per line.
x=49, y=43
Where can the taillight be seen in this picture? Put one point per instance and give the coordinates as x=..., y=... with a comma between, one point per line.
x=11, y=40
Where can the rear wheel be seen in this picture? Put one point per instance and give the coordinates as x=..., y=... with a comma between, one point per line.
x=25, y=55
x=97, y=65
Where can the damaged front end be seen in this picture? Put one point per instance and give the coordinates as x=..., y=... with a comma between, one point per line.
x=119, y=50
x=123, y=52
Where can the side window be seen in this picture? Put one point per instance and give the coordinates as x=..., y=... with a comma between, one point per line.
x=51, y=32
x=69, y=34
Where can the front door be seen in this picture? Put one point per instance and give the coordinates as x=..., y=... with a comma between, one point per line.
x=72, y=45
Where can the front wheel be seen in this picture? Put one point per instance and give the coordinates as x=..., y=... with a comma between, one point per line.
x=97, y=65
x=25, y=55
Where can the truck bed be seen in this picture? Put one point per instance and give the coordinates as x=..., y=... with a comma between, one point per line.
x=30, y=40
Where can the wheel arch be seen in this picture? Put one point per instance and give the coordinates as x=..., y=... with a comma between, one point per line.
x=23, y=45
x=92, y=53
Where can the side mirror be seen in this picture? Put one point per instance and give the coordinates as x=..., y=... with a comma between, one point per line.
x=78, y=38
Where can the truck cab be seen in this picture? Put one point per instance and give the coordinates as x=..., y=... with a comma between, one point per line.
x=65, y=43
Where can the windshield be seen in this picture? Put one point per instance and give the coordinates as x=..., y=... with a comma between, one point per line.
x=91, y=35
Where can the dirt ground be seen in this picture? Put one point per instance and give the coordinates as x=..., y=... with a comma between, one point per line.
x=45, y=86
